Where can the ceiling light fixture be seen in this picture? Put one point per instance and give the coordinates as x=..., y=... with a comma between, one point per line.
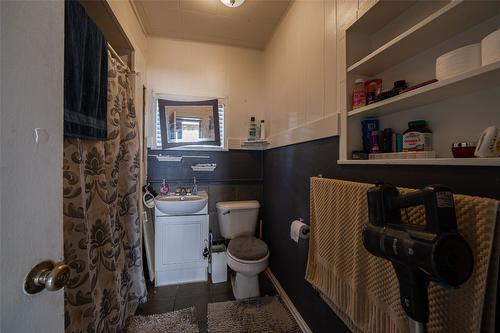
x=232, y=3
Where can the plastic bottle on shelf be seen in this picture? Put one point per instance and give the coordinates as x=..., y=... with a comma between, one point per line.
x=375, y=142
x=252, y=130
x=417, y=137
x=262, y=130
x=359, y=94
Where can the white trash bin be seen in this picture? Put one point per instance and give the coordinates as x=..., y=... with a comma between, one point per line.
x=219, y=264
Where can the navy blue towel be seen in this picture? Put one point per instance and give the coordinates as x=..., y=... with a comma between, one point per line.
x=85, y=75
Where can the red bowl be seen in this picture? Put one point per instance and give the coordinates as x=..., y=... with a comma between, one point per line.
x=463, y=149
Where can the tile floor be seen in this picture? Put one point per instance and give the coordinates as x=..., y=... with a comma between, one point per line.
x=176, y=297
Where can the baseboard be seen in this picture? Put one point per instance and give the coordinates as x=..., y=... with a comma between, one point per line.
x=293, y=310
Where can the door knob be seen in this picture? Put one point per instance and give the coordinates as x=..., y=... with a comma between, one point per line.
x=47, y=275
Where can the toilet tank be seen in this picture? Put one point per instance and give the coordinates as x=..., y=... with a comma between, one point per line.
x=237, y=218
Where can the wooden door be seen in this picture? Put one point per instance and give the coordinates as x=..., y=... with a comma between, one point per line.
x=31, y=99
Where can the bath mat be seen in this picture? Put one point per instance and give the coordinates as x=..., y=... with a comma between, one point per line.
x=262, y=315
x=177, y=321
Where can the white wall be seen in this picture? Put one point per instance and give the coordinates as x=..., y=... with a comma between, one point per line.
x=189, y=68
x=300, y=74
x=292, y=84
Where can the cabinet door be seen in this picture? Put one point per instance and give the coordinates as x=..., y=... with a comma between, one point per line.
x=180, y=241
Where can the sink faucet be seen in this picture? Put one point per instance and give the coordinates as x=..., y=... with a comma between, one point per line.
x=195, y=186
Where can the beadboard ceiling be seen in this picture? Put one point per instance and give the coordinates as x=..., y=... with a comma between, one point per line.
x=249, y=25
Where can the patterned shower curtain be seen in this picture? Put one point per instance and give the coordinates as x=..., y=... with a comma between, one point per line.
x=102, y=235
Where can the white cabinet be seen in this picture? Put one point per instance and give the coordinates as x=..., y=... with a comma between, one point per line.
x=179, y=245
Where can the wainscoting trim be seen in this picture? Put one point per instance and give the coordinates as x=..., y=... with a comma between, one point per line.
x=318, y=129
x=314, y=130
x=293, y=310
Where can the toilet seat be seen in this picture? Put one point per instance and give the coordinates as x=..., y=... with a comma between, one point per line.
x=248, y=249
x=247, y=262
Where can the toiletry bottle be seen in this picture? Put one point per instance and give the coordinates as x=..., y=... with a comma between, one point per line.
x=262, y=130
x=252, y=130
x=375, y=142
x=399, y=142
x=367, y=127
x=417, y=137
x=393, y=142
x=164, y=187
x=386, y=140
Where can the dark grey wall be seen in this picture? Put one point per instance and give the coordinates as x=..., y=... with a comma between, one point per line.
x=232, y=166
x=286, y=196
x=279, y=179
x=238, y=176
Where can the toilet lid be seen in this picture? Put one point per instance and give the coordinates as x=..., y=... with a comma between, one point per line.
x=247, y=248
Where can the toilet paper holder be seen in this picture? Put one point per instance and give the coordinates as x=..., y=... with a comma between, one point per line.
x=298, y=229
x=306, y=231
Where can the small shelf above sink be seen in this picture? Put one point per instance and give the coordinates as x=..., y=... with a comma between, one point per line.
x=182, y=204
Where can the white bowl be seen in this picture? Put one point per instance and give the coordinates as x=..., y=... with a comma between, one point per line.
x=490, y=48
x=458, y=61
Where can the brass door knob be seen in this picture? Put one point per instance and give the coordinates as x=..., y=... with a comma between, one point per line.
x=47, y=275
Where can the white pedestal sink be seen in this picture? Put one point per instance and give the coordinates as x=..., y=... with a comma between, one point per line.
x=181, y=204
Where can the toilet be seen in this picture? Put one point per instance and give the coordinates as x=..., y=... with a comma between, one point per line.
x=246, y=255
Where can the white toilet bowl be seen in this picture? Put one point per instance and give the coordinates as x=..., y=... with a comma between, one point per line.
x=246, y=255
x=247, y=265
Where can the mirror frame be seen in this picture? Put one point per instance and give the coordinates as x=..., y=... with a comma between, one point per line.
x=162, y=103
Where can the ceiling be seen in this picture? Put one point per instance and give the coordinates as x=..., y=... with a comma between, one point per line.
x=249, y=25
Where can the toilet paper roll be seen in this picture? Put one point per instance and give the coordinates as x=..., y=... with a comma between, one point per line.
x=298, y=229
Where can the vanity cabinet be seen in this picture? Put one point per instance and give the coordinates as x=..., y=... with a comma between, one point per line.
x=179, y=245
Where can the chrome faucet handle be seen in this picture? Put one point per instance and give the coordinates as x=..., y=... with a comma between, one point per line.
x=195, y=186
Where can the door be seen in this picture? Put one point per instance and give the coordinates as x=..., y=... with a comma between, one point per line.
x=31, y=86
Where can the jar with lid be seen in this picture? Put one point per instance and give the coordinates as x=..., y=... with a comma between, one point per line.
x=417, y=137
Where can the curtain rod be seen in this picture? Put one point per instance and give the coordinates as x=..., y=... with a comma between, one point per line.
x=120, y=60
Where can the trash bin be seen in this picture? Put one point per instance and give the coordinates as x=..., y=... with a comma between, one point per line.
x=219, y=264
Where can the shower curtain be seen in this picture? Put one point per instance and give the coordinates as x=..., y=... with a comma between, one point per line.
x=102, y=235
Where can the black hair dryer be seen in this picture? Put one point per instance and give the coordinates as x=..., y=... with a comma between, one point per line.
x=418, y=254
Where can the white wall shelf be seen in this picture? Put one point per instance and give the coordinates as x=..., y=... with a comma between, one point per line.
x=254, y=143
x=479, y=79
x=378, y=15
x=405, y=45
x=429, y=161
x=455, y=17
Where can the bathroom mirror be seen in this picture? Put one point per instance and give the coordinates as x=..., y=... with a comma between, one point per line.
x=189, y=123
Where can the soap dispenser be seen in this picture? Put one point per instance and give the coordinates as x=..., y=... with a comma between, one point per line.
x=164, y=187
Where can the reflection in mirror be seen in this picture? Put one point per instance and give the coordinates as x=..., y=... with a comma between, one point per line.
x=189, y=123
